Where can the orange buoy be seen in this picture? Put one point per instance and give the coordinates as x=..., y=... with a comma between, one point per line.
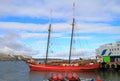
x=75, y=76
x=98, y=80
x=54, y=77
x=60, y=77
x=69, y=77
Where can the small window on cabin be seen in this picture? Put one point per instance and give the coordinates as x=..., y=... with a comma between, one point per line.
x=117, y=48
x=118, y=44
x=110, y=49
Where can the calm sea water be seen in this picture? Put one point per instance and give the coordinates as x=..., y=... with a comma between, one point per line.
x=19, y=71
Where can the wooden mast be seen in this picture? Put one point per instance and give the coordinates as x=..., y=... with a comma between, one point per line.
x=49, y=30
x=48, y=40
x=73, y=24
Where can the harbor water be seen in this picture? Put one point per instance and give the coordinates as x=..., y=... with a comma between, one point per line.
x=19, y=71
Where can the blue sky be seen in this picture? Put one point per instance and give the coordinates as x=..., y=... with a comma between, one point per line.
x=24, y=26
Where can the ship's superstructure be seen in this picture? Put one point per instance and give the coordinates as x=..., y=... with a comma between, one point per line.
x=109, y=51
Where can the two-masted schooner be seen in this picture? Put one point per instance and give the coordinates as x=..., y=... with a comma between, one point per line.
x=69, y=66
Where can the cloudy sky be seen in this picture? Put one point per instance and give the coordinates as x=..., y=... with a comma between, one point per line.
x=24, y=26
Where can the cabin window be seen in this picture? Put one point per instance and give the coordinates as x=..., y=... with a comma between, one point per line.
x=110, y=49
x=117, y=48
x=118, y=44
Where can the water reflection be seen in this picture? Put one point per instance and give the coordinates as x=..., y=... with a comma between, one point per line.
x=43, y=76
x=109, y=75
x=84, y=75
x=39, y=76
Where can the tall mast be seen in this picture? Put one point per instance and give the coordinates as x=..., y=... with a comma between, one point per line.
x=73, y=24
x=48, y=41
x=49, y=30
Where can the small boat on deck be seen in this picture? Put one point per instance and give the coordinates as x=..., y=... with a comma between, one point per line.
x=69, y=67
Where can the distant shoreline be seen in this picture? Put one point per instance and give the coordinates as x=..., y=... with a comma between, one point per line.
x=12, y=57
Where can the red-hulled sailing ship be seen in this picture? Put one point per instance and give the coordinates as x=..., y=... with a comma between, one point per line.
x=45, y=67
x=68, y=67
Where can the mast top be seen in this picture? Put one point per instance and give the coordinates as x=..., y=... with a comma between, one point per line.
x=73, y=9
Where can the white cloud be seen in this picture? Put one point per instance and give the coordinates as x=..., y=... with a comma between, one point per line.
x=76, y=54
x=79, y=37
x=98, y=28
x=61, y=27
x=88, y=10
x=22, y=26
x=10, y=44
x=38, y=35
x=33, y=35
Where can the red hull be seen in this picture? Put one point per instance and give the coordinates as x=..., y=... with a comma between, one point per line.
x=43, y=67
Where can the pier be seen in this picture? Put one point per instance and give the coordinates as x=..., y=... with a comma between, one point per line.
x=114, y=66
